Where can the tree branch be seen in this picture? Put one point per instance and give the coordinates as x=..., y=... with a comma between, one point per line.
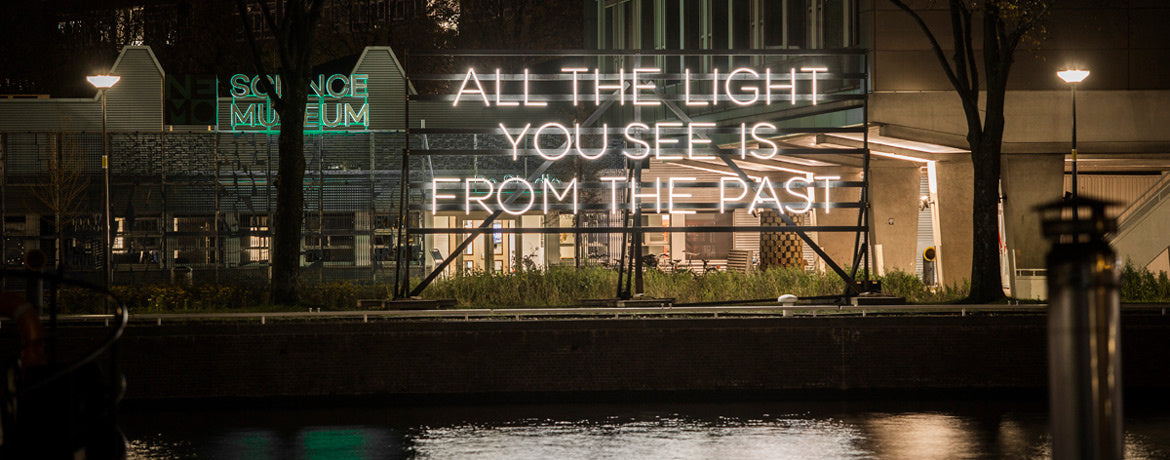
x=314, y=17
x=1027, y=25
x=957, y=36
x=257, y=63
x=992, y=46
x=271, y=20
x=968, y=42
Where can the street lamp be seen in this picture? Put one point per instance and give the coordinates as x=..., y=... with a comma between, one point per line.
x=102, y=83
x=1072, y=77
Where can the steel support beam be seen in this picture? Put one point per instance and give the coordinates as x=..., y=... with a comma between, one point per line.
x=725, y=155
x=483, y=227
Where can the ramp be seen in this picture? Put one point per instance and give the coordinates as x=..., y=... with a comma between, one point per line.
x=1142, y=227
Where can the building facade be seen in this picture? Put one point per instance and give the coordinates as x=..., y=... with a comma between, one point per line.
x=882, y=130
x=920, y=192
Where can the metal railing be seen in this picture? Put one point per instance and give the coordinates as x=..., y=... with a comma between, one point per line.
x=467, y=314
x=1144, y=203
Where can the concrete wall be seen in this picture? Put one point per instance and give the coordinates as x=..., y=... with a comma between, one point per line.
x=955, y=198
x=1120, y=106
x=1036, y=140
x=1143, y=237
x=1123, y=42
x=1027, y=182
x=839, y=245
x=580, y=357
x=1040, y=121
x=894, y=186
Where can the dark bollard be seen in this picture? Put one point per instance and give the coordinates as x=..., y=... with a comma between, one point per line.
x=1084, y=337
x=35, y=261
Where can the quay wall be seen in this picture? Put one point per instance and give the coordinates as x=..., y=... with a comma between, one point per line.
x=575, y=358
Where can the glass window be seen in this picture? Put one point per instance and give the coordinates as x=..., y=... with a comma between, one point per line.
x=256, y=240
x=741, y=30
x=692, y=32
x=719, y=22
x=608, y=40
x=796, y=21
x=672, y=23
x=712, y=245
x=834, y=23
x=741, y=24
x=774, y=23
x=630, y=26
x=647, y=24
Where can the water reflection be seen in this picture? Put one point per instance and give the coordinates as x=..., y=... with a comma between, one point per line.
x=632, y=431
x=671, y=437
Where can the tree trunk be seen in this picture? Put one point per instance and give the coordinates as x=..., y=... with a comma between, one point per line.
x=986, y=284
x=286, y=238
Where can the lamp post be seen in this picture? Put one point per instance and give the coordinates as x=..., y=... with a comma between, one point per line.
x=102, y=83
x=1072, y=77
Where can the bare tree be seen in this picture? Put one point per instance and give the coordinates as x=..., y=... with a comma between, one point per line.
x=63, y=191
x=1003, y=25
x=292, y=26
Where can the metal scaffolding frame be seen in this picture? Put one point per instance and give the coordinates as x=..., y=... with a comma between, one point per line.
x=196, y=205
x=632, y=230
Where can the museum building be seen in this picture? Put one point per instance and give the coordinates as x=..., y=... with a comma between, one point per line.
x=841, y=107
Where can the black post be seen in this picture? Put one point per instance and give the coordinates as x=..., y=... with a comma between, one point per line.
x=401, y=273
x=109, y=275
x=1074, y=141
x=1084, y=334
x=636, y=234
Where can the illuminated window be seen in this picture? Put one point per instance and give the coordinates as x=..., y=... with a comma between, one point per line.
x=118, y=245
x=330, y=236
x=710, y=245
x=257, y=241
x=194, y=239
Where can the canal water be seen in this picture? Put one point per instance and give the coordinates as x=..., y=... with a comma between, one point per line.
x=969, y=429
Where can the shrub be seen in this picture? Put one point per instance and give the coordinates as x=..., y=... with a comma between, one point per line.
x=564, y=286
x=555, y=286
x=1139, y=285
x=909, y=286
x=177, y=298
x=526, y=287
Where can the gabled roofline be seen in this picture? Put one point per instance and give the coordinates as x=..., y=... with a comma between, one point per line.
x=393, y=57
x=149, y=52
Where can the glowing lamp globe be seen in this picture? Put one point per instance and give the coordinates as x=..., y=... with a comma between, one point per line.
x=103, y=81
x=1073, y=76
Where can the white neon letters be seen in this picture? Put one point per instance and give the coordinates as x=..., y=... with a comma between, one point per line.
x=483, y=194
x=464, y=90
x=664, y=140
x=755, y=91
x=536, y=142
x=525, y=184
x=638, y=87
x=678, y=141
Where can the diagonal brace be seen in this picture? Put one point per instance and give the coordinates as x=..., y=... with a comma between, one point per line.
x=483, y=227
x=726, y=157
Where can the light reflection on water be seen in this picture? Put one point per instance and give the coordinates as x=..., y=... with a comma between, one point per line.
x=669, y=437
x=950, y=430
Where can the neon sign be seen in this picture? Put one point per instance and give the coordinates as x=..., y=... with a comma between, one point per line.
x=721, y=87
x=336, y=102
x=664, y=141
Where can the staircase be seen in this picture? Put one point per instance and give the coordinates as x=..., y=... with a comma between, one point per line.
x=1144, y=227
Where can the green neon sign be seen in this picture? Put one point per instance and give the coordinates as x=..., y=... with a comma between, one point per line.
x=337, y=102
